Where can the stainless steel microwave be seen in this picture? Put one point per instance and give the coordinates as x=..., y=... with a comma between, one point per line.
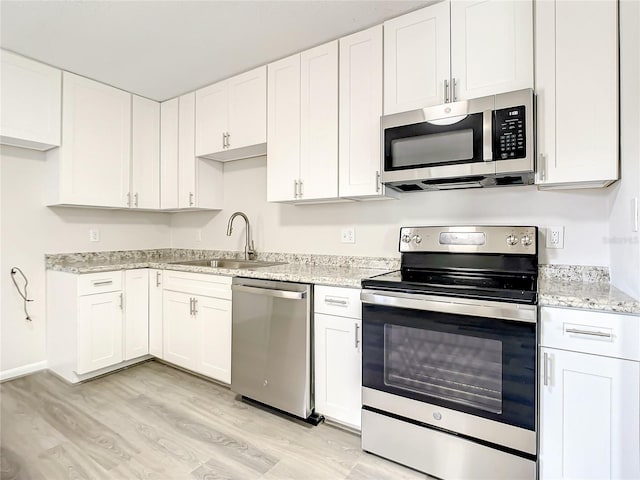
x=482, y=142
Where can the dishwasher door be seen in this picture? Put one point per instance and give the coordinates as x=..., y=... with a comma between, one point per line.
x=271, y=345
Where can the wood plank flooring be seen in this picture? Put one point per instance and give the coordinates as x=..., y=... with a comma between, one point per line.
x=152, y=421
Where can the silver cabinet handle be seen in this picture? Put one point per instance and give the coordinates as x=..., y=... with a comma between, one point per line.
x=301, y=183
x=228, y=142
x=191, y=199
x=453, y=89
x=446, y=91
x=295, y=189
x=224, y=140
x=545, y=369
x=335, y=301
x=128, y=199
x=158, y=279
x=588, y=332
x=135, y=199
x=195, y=306
x=377, y=180
x=101, y=283
x=121, y=305
x=542, y=167
x=268, y=292
x=357, y=339
x=191, y=306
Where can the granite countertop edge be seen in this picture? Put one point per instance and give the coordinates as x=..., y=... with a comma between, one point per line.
x=583, y=291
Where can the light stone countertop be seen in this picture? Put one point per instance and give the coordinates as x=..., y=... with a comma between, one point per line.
x=558, y=285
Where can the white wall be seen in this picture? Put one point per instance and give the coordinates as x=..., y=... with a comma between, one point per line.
x=624, y=242
x=316, y=228
x=28, y=230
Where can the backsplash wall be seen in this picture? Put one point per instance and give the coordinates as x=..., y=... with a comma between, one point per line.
x=316, y=228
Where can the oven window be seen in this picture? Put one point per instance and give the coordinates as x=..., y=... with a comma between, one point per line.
x=435, y=148
x=458, y=368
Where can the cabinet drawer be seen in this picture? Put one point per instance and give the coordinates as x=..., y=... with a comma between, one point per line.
x=344, y=302
x=608, y=334
x=91, y=283
x=198, y=284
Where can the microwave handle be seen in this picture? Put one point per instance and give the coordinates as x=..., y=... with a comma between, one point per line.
x=487, y=135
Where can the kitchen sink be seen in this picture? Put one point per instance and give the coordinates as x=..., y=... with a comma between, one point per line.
x=226, y=263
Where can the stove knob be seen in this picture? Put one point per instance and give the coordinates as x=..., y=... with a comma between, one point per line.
x=526, y=240
x=406, y=238
x=417, y=239
x=512, y=240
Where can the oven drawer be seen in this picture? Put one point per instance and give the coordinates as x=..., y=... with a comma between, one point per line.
x=103, y=282
x=343, y=302
x=598, y=333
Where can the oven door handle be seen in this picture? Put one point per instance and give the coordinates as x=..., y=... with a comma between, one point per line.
x=454, y=306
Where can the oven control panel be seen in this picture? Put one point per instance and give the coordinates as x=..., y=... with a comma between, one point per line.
x=487, y=239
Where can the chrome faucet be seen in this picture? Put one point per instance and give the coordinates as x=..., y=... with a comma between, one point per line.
x=249, y=249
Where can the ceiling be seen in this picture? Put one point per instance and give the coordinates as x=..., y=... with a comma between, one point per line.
x=161, y=49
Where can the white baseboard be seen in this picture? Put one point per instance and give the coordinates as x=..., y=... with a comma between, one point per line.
x=24, y=370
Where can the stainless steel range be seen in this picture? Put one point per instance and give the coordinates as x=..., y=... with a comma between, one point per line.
x=449, y=354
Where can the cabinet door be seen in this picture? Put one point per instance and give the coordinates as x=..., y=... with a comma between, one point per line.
x=30, y=103
x=589, y=420
x=248, y=108
x=577, y=55
x=155, y=313
x=360, y=111
x=99, y=331
x=136, y=313
x=169, y=154
x=180, y=332
x=211, y=118
x=145, y=154
x=319, y=122
x=416, y=59
x=214, y=338
x=186, y=151
x=491, y=47
x=283, y=132
x=338, y=368
x=95, y=156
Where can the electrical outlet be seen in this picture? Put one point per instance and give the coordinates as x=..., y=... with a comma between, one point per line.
x=555, y=237
x=94, y=235
x=348, y=235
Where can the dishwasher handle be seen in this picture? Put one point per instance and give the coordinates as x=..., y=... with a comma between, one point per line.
x=269, y=292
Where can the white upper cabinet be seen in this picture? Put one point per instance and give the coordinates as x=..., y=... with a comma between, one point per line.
x=145, y=154
x=359, y=115
x=30, y=103
x=319, y=122
x=302, y=163
x=186, y=182
x=457, y=50
x=283, y=140
x=577, y=55
x=491, y=47
x=92, y=167
x=417, y=59
x=231, y=117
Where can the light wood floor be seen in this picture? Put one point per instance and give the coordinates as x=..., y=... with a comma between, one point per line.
x=152, y=421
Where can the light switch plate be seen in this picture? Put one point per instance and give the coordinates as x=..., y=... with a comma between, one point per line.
x=94, y=235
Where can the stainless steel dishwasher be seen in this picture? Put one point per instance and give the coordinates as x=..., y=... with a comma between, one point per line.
x=271, y=346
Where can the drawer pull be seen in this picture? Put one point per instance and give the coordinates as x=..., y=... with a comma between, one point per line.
x=102, y=283
x=335, y=301
x=587, y=332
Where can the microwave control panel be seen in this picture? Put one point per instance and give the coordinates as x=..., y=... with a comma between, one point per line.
x=509, y=139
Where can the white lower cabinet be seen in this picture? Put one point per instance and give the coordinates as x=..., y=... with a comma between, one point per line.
x=99, y=331
x=96, y=322
x=155, y=313
x=197, y=326
x=589, y=415
x=338, y=354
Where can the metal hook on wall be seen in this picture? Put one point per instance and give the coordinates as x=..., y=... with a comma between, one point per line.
x=14, y=271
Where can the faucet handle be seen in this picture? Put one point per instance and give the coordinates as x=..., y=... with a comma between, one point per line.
x=251, y=252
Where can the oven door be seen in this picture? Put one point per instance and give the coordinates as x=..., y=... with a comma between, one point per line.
x=460, y=365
